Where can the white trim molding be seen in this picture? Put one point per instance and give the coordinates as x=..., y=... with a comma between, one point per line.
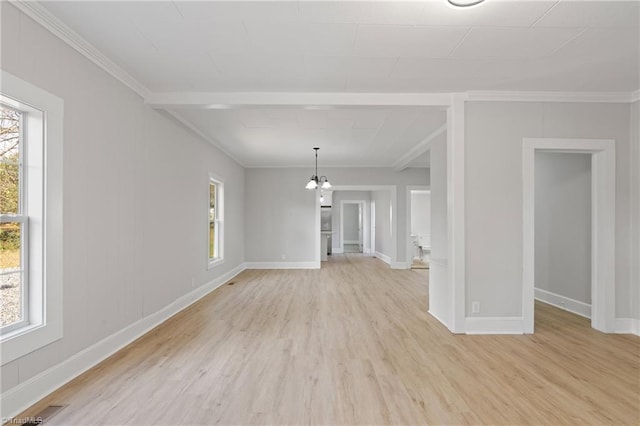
x=190, y=126
x=635, y=96
x=418, y=149
x=603, y=190
x=540, y=96
x=386, y=259
x=22, y=396
x=42, y=16
x=282, y=265
x=456, y=222
x=494, y=325
x=562, y=302
x=401, y=265
x=627, y=326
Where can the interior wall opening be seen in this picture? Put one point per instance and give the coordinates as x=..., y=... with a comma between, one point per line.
x=419, y=228
x=352, y=226
x=600, y=153
x=562, y=231
x=376, y=205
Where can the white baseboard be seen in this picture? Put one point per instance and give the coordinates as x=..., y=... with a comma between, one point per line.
x=367, y=250
x=440, y=319
x=564, y=303
x=25, y=394
x=494, y=325
x=351, y=242
x=282, y=265
x=337, y=250
x=627, y=326
x=386, y=259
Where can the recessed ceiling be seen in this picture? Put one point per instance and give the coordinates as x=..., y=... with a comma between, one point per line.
x=348, y=46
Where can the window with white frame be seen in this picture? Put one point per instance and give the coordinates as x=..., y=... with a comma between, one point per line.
x=14, y=222
x=30, y=217
x=216, y=228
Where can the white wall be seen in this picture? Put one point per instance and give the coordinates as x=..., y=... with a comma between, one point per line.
x=420, y=213
x=382, y=200
x=493, y=186
x=288, y=225
x=563, y=224
x=350, y=223
x=439, y=290
x=635, y=211
x=280, y=216
x=135, y=198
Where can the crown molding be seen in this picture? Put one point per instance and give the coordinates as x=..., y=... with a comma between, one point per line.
x=539, y=96
x=201, y=134
x=419, y=149
x=42, y=16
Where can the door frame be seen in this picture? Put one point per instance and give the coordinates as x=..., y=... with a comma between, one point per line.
x=394, y=220
x=603, y=257
x=360, y=204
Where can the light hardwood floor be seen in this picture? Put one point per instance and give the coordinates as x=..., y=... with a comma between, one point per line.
x=352, y=343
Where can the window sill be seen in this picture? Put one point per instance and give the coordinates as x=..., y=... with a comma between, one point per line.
x=215, y=263
x=22, y=341
x=19, y=332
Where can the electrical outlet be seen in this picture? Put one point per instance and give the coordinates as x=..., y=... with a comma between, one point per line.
x=475, y=307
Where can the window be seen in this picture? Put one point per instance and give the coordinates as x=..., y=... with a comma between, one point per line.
x=30, y=217
x=216, y=229
x=14, y=223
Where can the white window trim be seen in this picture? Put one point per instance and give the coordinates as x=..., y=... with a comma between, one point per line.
x=21, y=217
x=212, y=263
x=46, y=253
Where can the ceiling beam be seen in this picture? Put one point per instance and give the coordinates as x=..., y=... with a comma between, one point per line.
x=229, y=100
x=419, y=149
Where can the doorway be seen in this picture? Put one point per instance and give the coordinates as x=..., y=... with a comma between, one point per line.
x=352, y=226
x=563, y=231
x=601, y=154
x=419, y=226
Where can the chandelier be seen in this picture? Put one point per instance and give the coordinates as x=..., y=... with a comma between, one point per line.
x=318, y=181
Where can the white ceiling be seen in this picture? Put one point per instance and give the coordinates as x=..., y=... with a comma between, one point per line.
x=355, y=46
x=352, y=136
